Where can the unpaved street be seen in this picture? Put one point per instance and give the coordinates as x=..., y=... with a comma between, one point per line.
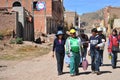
x=44, y=68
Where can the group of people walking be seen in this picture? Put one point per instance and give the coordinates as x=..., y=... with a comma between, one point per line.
x=75, y=48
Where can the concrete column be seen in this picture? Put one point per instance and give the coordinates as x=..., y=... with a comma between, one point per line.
x=79, y=22
x=74, y=22
x=26, y=4
x=109, y=30
x=51, y=26
x=6, y=3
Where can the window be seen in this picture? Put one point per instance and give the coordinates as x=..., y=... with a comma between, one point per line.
x=34, y=5
x=16, y=4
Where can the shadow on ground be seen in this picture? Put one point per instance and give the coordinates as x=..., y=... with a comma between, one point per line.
x=2, y=66
x=118, y=60
x=66, y=72
x=102, y=65
x=84, y=73
x=80, y=73
x=106, y=65
x=105, y=72
x=89, y=72
x=117, y=66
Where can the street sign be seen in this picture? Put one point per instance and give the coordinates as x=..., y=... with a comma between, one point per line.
x=40, y=5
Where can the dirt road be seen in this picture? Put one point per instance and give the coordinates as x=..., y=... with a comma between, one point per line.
x=44, y=68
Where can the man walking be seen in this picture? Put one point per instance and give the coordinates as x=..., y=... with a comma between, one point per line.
x=103, y=38
x=94, y=51
x=84, y=39
x=73, y=49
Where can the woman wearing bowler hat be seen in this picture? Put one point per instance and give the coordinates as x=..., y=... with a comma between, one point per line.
x=59, y=49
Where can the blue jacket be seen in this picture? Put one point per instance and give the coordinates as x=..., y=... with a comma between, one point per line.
x=59, y=47
x=94, y=41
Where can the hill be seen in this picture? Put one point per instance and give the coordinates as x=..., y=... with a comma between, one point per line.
x=90, y=18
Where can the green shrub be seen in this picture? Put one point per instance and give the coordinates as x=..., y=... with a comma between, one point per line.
x=16, y=41
x=1, y=37
x=12, y=41
x=19, y=40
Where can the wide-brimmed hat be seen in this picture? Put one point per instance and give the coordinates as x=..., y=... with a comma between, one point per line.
x=59, y=33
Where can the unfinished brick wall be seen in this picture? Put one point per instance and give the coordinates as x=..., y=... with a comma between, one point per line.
x=39, y=17
x=7, y=22
x=110, y=12
x=39, y=20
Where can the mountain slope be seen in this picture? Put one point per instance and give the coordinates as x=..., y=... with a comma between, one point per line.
x=90, y=18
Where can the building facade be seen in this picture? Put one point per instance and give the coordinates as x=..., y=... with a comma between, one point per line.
x=16, y=22
x=116, y=23
x=71, y=19
x=110, y=13
x=45, y=21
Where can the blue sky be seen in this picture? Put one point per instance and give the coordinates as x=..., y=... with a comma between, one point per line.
x=84, y=6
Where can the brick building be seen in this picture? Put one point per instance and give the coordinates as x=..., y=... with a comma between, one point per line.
x=71, y=19
x=116, y=24
x=7, y=22
x=109, y=13
x=54, y=13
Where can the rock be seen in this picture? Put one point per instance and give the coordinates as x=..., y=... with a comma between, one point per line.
x=38, y=40
x=1, y=48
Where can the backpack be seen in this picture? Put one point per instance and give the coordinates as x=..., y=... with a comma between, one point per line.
x=75, y=45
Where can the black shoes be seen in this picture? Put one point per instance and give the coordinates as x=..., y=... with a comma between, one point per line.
x=60, y=74
x=113, y=67
x=98, y=72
